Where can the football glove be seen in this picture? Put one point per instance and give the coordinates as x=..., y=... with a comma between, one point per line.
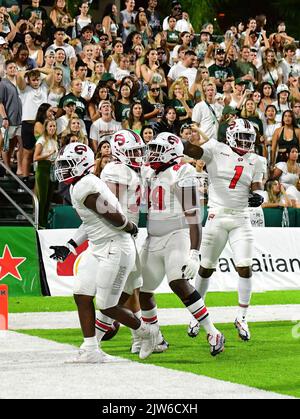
x=190, y=270
x=255, y=200
x=62, y=252
x=134, y=231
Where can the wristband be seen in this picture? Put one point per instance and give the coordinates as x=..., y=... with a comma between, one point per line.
x=71, y=245
x=124, y=225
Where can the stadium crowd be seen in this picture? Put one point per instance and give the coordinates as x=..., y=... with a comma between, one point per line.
x=70, y=78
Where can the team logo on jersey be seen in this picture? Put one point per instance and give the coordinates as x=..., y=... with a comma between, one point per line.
x=240, y=159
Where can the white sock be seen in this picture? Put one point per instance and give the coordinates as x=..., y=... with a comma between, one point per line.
x=202, y=285
x=201, y=314
x=150, y=316
x=103, y=325
x=90, y=344
x=245, y=293
x=138, y=314
x=134, y=333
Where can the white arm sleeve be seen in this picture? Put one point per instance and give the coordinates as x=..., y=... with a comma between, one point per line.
x=209, y=150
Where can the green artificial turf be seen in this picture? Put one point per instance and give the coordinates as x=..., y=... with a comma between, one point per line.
x=215, y=299
x=271, y=361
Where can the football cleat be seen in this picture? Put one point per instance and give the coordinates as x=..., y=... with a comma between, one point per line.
x=91, y=357
x=217, y=343
x=243, y=329
x=149, y=334
x=161, y=345
x=136, y=346
x=111, y=333
x=193, y=329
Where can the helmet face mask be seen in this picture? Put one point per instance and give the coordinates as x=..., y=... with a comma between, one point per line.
x=129, y=148
x=155, y=156
x=73, y=162
x=165, y=150
x=241, y=136
x=136, y=157
x=64, y=170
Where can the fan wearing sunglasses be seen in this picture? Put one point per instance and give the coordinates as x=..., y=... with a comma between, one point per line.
x=153, y=104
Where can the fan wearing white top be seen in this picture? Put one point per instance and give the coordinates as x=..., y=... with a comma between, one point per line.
x=46, y=150
x=104, y=127
x=293, y=192
x=288, y=172
x=276, y=196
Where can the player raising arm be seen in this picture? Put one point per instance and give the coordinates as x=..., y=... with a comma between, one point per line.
x=235, y=182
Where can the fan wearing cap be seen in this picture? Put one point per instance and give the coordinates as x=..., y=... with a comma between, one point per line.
x=235, y=181
x=220, y=71
x=69, y=107
x=282, y=103
x=75, y=95
x=229, y=114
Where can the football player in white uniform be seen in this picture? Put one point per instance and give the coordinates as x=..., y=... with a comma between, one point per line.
x=174, y=234
x=234, y=172
x=123, y=177
x=104, y=268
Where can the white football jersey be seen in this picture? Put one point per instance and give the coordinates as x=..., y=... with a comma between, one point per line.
x=130, y=200
x=96, y=227
x=231, y=175
x=165, y=209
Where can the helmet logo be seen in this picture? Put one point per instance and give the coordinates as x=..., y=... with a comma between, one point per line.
x=120, y=139
x=173, y=140
x=80, y=149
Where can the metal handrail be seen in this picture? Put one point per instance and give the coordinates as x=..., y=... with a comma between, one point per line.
x=34, y=222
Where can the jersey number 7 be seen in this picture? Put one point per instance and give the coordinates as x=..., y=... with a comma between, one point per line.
x=238, y=173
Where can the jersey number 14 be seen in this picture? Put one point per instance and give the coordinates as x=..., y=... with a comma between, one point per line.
x=238, y=173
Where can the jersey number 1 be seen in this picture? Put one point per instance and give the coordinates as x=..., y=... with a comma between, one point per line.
x=238, y=173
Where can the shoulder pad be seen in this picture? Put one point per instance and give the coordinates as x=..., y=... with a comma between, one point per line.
x=116, y=172
x=189, y=182
x=88, y=185
x=186, y=170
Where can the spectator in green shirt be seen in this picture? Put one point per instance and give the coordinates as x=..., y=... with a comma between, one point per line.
x=34, y=12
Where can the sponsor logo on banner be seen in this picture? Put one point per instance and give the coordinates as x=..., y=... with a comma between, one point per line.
x=9, y=264
x=276, y=262
x=67, y=268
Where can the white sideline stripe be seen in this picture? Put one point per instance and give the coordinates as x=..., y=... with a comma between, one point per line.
x=167, y=317
x=34, y=368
